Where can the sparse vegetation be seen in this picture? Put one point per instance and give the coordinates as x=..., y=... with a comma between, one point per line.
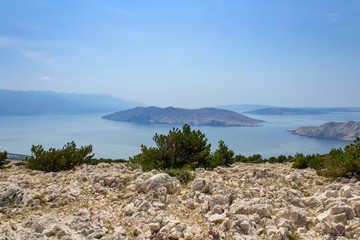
x=185, y=149
x=55, y=160
x=96, y=161
x=189, y=148
x=3, y=157
x=183, y=175
x=336, y=163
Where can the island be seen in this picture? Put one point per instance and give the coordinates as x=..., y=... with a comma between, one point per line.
x=180, y=116
x=345, y=131
x=302, y=111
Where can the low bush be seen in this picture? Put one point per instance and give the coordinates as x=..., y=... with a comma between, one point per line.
x=221, y=157
x=183, y=175
x=175, y=150
x=336, y=163
x=55, y=160
x=300, y=161
x=96, y=161
x=3, y=157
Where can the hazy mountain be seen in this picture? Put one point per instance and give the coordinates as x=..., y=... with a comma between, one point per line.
x=302, y=111
x=244, y=107
x=346, y=131
x=20, y=103
x=179, y=116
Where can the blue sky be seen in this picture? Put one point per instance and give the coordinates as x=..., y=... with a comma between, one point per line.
x=187, y=53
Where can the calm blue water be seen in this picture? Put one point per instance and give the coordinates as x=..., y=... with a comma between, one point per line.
x=122, y=140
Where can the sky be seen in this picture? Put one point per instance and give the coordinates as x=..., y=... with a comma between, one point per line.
x=186, y=53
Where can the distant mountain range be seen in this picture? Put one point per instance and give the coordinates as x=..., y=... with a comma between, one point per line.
x=244, y=107
x=22, y=103
x=180, y=116
x=302, y=111
x=346, y=131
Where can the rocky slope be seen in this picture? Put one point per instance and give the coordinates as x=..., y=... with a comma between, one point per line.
x=112, y=201
x=180, y=116
x=346, y=131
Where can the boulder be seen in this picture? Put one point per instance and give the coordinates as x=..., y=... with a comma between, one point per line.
x=12, y=194
x=345, y=191
x=218, y=200
x=160, y=180
x=295, y=215
x=203, y=185
x=343, y=208
x=217, y=218
x=251, y=207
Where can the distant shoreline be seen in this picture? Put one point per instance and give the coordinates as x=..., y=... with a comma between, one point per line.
x=16, y=157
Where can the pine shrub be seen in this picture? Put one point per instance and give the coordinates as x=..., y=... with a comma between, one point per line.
x=55, y=160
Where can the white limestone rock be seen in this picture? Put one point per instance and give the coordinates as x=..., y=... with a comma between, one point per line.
x=203, y=185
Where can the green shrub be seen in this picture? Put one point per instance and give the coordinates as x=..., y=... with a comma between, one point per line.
x=221, y=157
x=336, y=163
x=255, y=158
x=240, y=158
x=55, y=160
x=175, y=150
x=96, y=161
x=300, y=161
x=183, y=175
x=342, y=163
x=3, y=157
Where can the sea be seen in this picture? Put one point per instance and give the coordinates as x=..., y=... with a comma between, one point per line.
x=111, y=139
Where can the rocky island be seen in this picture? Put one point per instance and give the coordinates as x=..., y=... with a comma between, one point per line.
x=114, y=201
x=180, y=116
x=345, y=131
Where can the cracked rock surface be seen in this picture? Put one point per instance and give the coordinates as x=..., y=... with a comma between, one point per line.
x=113, y=201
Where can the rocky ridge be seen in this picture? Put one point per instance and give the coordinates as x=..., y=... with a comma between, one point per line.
x=345, y=131
x=113, y=201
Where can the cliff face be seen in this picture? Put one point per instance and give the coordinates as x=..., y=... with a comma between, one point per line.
x=113, y=201
x=180, y=116
x=346, y=131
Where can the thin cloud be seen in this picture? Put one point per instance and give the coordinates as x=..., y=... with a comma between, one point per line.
x=7, y=41
x=37, y=55
x=333, y=17
x=47, y=78
x=22, y=47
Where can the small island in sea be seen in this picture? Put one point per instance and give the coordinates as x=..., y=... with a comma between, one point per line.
x=180, y=116
x=345, y=131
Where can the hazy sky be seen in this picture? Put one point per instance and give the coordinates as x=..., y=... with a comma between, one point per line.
x=186, y=53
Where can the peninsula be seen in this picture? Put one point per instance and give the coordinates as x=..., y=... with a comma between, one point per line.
x=345, y=131
x=179, y=116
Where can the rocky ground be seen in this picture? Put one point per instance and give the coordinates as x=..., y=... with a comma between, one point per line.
x=112, y=201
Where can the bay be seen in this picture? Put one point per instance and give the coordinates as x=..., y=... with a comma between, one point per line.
x=112, y=139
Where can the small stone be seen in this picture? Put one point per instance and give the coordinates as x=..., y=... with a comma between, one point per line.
x=154, y=227
x=217, y=218
x=345, y=191
x=130, y=209
x=343, y=209
x=340, y=218
x=357, y=209
x=203, y=185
